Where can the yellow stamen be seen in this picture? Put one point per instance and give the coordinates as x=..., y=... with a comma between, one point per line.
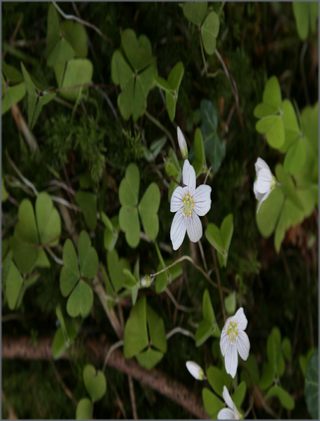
x=232, y=331
x=188, y=204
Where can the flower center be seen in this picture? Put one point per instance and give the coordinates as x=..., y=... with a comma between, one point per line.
x=273, y=183
x=188, y=204
x=232, y=331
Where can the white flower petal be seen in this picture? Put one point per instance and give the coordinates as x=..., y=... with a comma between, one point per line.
x=195, y=370
x=226, y=414
x=189, y=176
x=224, y=342
x=243, y=345
x=261, y=164
x=259, y=196
x=263, y=181
x=202, y=200
x=231, y=360
x=241, y=319
x=194, y=227
x=182, y=143
x=178, y=230
x=176, y=202
x=227, y=398
x=262, y=199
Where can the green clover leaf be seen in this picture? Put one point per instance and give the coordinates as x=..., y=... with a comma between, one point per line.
x=95, y=382
x=144, y=335
x=220, y=238
x=36, y=99
x=134, y=69
x=171, y=88
x=209, y=32
x=130, y=210
x=208, y=326
x=34, y=230
x=76, y=269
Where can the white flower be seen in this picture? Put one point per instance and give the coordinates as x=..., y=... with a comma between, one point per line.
x=234, y=340
x=146, y=281
x=189, y=203
x=264, y=182
x=182, y=143
x=195, y=370
x=230, y=413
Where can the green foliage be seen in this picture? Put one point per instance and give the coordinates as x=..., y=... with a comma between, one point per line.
x=133, y=68
x=95, y=382
x=209, y=24
x=274, y=353
x=67, y=48
x=13, y=282
x=144, y=335
x=171, y=88
x=195, y=12
x=199, y=162
x=305, y=14
x=110, y=233
x=116, y=267
x=220, y=238
x=76, y=271
x=165, y=278
x=239, y=394
x=84, y=409
x=230, y=303
x=208, y=325
x=65, y=334
x=130, y=210
x=311, y=389
x=214, y=147
x=274, y=368
x=88, y=204
x=12, y=95
x=36, y=98
x=284, y=397
x=75, y=93
x=270, y=114
x=218, y=378
x=209, y=32
x=34, y=231
x=211, y=403
x=293, y=199
x=78, y=72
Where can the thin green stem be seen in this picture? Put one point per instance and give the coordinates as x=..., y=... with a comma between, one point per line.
x=81, y=21
x=219, y=282
x=179, y=329
x=198, y=268
x=203, y=256
x=157, y=123
x=110, y=351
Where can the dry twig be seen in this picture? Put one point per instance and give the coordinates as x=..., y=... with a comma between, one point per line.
x=24, y=348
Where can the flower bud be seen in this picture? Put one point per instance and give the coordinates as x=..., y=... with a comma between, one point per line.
x=195, y=370
x=146, y=281
x=182, y=143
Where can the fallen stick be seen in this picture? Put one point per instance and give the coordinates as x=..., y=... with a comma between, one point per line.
x=24, y=348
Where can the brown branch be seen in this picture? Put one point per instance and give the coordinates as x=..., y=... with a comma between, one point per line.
x=23, y=127
x=132, y=398
x=24, y=348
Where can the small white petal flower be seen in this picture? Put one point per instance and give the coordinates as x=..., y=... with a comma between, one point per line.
x=189, y=203
x=234, y=340
x=146, y=281
x=264, y=183
x=182, y=143
x=195, y=370
x=230, y=413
